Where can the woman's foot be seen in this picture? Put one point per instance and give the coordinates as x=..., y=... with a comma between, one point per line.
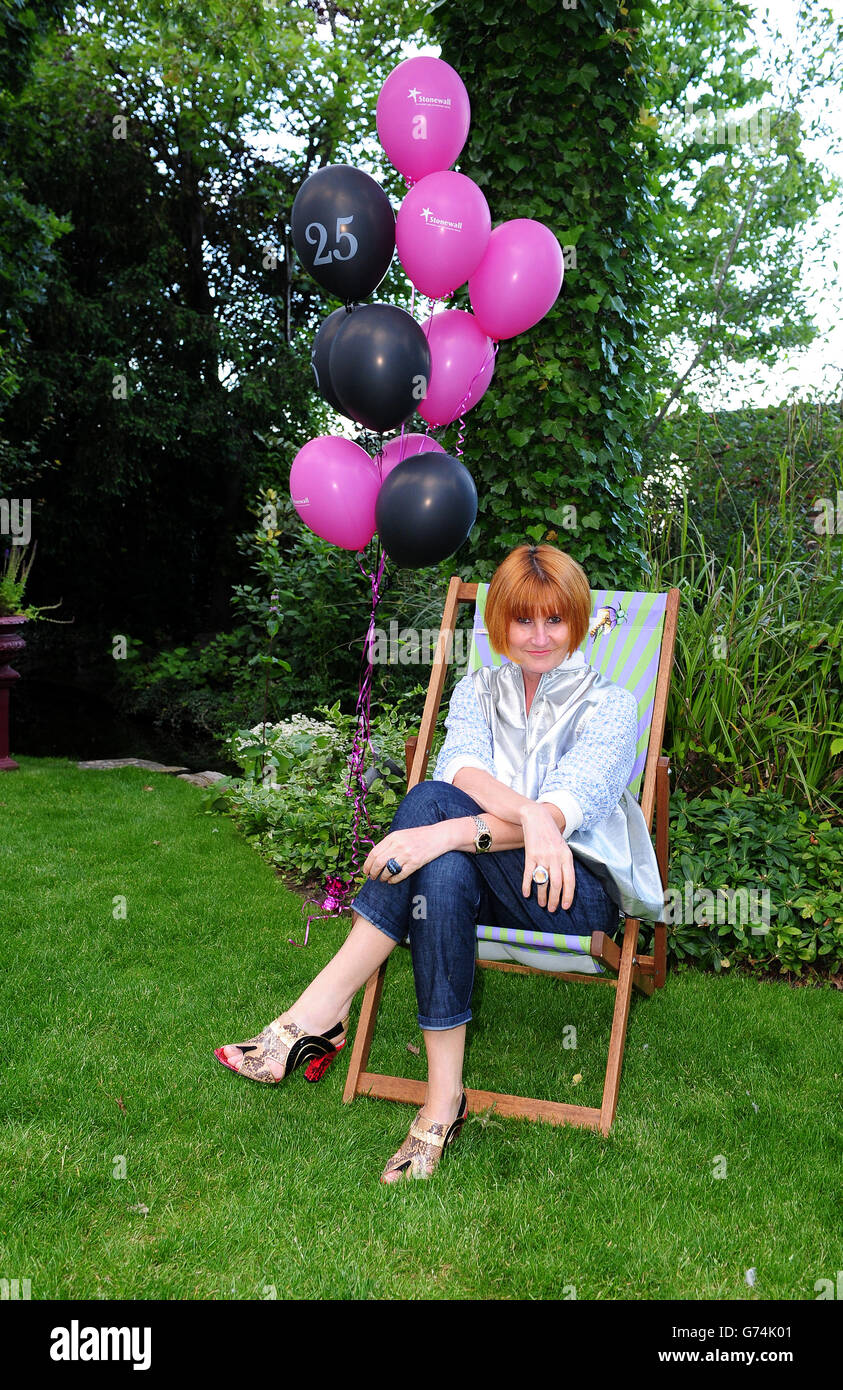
x=281, y=1048
x=234, y=1054
x=309, y=1019
x=432, y=1131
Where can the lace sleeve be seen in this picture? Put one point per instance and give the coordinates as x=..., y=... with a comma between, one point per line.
x=598, y=767
x=468, y=742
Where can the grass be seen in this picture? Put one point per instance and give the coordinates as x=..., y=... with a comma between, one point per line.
x=109, y=1023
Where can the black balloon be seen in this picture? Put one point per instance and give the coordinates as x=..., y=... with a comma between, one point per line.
x=344, y=230
x=320, y=357
x=425, y=509
x=380, y=366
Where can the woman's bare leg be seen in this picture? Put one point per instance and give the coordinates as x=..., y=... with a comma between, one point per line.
x=445, y=1050
x=328, y=997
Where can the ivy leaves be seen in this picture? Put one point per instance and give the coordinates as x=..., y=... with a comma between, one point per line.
x=556, y=94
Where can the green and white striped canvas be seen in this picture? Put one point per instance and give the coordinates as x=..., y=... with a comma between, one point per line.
x=623, y=643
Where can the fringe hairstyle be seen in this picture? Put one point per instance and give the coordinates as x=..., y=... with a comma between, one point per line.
x=537, y=581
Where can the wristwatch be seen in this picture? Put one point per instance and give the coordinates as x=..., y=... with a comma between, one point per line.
x=483, y=838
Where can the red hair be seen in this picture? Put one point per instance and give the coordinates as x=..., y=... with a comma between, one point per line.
x=537, y=581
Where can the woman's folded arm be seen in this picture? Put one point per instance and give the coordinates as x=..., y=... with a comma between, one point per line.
x=506, y=834
x=581, y=789
x=468, y=742
x=493, y=795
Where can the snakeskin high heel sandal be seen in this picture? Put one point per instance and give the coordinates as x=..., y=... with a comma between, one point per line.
x=291, y=1047
x=424, y=1146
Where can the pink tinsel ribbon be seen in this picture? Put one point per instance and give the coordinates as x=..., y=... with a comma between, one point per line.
x=463, y=402
x=337, y=890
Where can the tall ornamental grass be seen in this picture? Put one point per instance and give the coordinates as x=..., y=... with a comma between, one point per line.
x=757, y=690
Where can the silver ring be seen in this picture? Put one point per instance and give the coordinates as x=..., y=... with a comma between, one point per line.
x=393, y=866
x=540, y=875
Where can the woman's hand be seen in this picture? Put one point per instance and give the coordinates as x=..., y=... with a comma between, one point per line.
x=411, y=848
x=545, y=844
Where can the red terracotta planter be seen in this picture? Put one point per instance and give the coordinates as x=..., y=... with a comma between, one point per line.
x=10, y=641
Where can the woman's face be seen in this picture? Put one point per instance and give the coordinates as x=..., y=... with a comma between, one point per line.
x=538, y=644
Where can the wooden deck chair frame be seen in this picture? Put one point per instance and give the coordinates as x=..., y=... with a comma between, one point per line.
x=628, y=970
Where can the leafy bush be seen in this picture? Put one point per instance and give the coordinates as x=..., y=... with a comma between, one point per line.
x=775, y=462
x=324, y=602
x=785, y=870
x=207, y=688
x=310, y=602
x=291, y=803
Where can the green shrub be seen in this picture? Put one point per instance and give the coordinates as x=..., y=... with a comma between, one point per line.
x=782, y=864
x=299, y=644
x=323, y=601
x=205, y=688
x=776, y=461
x=291, y=803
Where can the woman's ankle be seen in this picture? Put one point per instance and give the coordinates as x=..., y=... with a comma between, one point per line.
x=314, y=1018
x=442, y=1106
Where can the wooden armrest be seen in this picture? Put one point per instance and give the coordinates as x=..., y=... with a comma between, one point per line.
x=662, y=851
x=662, y=815
x=410, y=753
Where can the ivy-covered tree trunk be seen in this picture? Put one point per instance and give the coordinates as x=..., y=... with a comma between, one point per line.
x=556, y=87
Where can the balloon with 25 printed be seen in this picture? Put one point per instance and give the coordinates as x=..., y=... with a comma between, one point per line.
x=344, y=230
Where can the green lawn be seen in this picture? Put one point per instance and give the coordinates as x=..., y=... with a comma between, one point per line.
x=107, y=1038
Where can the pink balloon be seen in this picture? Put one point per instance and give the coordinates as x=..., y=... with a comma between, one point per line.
x=334, y=486
x=462, y=359
x=399, y=449
x=442, y=232
x=518, y=279
x=423, y=116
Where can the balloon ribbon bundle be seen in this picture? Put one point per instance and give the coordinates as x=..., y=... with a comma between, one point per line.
x=337, y=890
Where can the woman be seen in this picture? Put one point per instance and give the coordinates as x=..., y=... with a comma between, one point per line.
x=537, y=751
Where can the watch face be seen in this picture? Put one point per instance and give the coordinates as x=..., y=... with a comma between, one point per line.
x=484, y=840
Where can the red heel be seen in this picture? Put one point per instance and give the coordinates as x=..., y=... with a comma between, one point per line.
x=316, y=1069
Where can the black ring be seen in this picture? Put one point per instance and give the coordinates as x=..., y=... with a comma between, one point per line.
x=393, y=866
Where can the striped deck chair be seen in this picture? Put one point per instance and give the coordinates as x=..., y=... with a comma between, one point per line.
x=630, y=640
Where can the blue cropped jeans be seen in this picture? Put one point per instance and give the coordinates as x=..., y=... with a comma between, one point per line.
x=441, y=904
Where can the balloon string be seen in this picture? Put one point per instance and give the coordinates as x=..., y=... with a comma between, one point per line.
x=461, y=411
x=427, y=327
x=404, y=422
x=460, y=435
x=337, y=890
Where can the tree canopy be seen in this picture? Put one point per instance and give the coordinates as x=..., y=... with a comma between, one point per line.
x=164, y=367
x=155, y=326
x=735, y=188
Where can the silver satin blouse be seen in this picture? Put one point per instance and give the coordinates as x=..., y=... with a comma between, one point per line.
x=618, y=849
